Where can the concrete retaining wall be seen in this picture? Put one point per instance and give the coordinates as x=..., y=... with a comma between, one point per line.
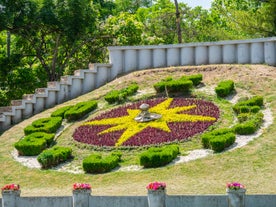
x=135, y=201
x=127, y=59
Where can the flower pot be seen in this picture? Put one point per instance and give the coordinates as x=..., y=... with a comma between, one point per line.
x=9, y=197
x=236, y=198
x=157, y=198
x=81, y=197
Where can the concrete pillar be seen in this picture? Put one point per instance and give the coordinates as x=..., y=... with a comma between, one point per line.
x=257, y=52
x=187, y=56
x=28, y=110
x=243, y=53
x=101, y=76
x=236, y=198
x=157, y=198
x=215, y=54
x=159, y=58
x=144, y=58
x=17, y=117
x=173, y=56
x=229, y=54
x=201, y=55
x=270, y=53
x=51, y=99
x=130, y=60
x=63, y=93
x=81, y=198
x=88, y=82
x=76, y=87
x=117, y=60
x=39, y=104
x=7, y=122
x=9, y=198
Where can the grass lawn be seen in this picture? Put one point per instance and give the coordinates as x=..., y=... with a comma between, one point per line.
x=253, y=165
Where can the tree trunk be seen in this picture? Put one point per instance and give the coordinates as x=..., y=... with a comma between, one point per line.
x=8, y=44
x=177, y=14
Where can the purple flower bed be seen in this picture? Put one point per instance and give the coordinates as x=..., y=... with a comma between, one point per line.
x=150, y=135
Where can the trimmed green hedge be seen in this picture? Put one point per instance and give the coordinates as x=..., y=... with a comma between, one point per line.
x=158, y=156
x=120, y=95
x=61, y=111
x=80, y=110
x=196, y=78
x=224, y=88
x=253, y=105
x=95, y=163
x=181, y=85
x=218, y=139
x=34, y=144
x=47, y=125
x=249, y=125
x=54, y=156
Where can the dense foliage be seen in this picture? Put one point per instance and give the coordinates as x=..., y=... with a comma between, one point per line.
x=41, y=40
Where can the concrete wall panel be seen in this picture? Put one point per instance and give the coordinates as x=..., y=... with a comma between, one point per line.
x=201, y=55
x=159, y=58
x=229, y=54
x=257, y=53
x=187, y=56
x=144, y=58
x=130, y=61
x=243, y=53
x=173, y=57
x=215, y=54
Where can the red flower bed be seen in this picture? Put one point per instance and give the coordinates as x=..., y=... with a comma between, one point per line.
x=150, y=134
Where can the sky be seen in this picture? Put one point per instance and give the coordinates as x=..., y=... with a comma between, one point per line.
x=206, y=4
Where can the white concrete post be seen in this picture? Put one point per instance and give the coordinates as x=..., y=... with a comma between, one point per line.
x=257, y=52
x=157, y=198
x=201, y=55
x=187, y=56
x=76, y=87
x=81, y=198
x=130, y=60
x=51, y=99
x=159, y=57
x=117, y=60
x=9, y=197
x=229, y=54
x=215, y=54
x=270, y=53
x=236, y=198
x=39, y=104
x=144, y=59
x=173, y=57
x=243, y=53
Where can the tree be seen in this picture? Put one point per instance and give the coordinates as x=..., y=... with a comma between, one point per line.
x=55, y=33
x=178, y=25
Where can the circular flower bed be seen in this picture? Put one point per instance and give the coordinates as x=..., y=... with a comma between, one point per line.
x=181, y=118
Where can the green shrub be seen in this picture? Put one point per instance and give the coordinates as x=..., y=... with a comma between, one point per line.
x=251, y=125
x=181, y=85
x=224, y=88
x=47, y=125
x=95, y=163
x=218, y=139
x=120, y=96
x=253, y=105
x=30, y=146
x=61, y=111
x=196, y=78
x=54, y=156
x=80, y=110
x=219, y=143
x=158, y=156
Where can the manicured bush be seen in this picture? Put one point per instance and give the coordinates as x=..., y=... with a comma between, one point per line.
x=120, y=95
x=253, y=105
x=96, y=163
x=224, y=88
x=250, y=125
x=196, y=78
x=47, y=125
x=80, y=110
x=30, y=146
x=54, y=156
x=158, y=156
x=181, y=85
x=61, y=111
x=218, y=139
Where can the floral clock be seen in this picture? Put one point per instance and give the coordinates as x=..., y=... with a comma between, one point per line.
x=181, y=118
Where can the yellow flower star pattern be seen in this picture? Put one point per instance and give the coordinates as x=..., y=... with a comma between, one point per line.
x=132, y=127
